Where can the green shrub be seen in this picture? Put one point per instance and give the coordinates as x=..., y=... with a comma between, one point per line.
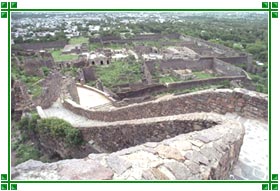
x=25, y=152
x=73, y=136
x=46, y=70
x=28, y=123
x=60, y=129
x=54, y=127
x=225, y=84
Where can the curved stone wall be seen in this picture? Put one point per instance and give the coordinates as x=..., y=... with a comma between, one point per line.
x=114, y=136
x=205, y=154
x=245, y=103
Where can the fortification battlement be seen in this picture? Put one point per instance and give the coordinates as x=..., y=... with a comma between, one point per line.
x=245, y=103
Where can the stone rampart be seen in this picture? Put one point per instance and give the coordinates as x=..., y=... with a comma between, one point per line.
x=208, y=153
x=226, y=69
x=236, y=59
x=114, y=136
x=159, y=88
x=243, y=102
x=42, y=45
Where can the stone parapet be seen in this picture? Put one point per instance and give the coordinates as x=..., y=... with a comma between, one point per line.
x=243, y=102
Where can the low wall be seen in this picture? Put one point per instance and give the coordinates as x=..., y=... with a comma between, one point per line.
x=176, y=64
x=202, y=82
x=243, y=102
x=148, y=90
x=158, y=88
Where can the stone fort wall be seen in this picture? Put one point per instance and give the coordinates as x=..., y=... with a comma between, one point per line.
x=208, y=153
x=237, y=59
x=243, y=102
x=221, y=66
x=114, y=136
x=159, y=88
x=44, y=45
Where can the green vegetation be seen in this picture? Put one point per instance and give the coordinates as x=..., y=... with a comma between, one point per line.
x=58, y=129
x=46, y=70
x=72, y=71
x=32, y=82
x=32, y=128
x=23, y=146
x=94, y=46
x=168, y=79
x=119, y=72
x=203, y=75
x=25, y=152
x=114, y=46
x=59, y=57
x=78, y=40
x=224, y=84
x=260, y=82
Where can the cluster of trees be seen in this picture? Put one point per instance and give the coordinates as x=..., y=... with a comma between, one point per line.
x=59, y=36
x=238, y=33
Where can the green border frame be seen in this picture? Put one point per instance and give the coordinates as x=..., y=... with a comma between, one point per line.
x=7, y=7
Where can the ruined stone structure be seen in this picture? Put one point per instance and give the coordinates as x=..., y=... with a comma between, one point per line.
x=87, y=74
x=208, y=153
x=55, y=86
x=166, y=139
x=42, y=46
x=160, y=88
x=32, y=65
x=110, y=39
x=20, y=99
x=241, y=101
x=176, y=137
x=79, y=63
x=201, y=64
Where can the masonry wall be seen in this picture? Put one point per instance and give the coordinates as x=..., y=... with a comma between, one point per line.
x=199, y=155
x=147, y=74
x=50, y=90
x=148, y=90
x=119, y=135
x=245, y=103
x=40, y=46
x=236, y=60
x=194, y=65
x=202, y=82
x=226, y=69
x=158, y=88
x=55, y=86
x=207, y=43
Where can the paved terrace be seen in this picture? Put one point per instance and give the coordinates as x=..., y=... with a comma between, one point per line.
x=91, y=97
